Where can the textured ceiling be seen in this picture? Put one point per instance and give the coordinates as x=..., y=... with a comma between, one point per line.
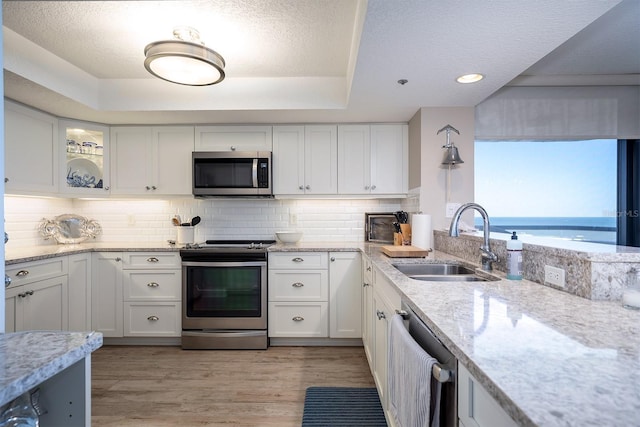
x=306, y=60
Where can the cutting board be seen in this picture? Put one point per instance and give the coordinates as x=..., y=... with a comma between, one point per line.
x=404, y=251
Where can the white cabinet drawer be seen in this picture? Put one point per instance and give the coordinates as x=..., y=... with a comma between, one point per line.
x=152, y=319
x=476, y=407
x=28, y=272
x=152, y=284
x=298, y=319
x=291, y=285
x=132, y=260
x=298, y=260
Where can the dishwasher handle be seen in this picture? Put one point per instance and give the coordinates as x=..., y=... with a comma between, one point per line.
x=441, y=374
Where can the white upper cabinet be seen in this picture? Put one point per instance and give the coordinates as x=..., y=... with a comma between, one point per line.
x=305, y=160
x=31, y=151
x=373, y=159
x=84, y=158
x=151, y=160
x=233, y=138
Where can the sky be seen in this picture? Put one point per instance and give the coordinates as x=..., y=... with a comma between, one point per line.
x=546, y=178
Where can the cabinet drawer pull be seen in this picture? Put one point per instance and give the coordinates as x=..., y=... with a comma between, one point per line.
x=380, y=315
x=365, y=284
x=297, y=259
x=298, y=319
x=153, y=259
x=29, y=292
x=22, y=273
x=153, y=284
x=297, y=285
x=153, y=318
x=22, y=295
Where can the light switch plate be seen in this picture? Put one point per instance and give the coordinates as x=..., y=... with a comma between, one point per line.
x=451, y=209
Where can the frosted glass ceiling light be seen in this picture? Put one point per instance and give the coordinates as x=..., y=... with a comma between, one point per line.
x=470, y=78
x=451, y=156
x=185, y=60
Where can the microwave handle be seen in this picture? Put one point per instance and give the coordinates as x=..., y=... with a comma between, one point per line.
x=254, y=173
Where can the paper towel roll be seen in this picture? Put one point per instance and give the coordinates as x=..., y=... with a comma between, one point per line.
x=421, y=233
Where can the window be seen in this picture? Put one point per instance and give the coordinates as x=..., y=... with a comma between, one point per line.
x=561, y=189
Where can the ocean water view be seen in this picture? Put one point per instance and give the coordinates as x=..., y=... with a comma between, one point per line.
x=587, y=229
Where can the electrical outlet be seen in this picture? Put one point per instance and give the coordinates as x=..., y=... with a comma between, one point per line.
x=451, y=209
x=554, y=276
x=293, y=219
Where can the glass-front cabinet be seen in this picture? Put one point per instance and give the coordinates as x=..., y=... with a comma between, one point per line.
x=84, y=158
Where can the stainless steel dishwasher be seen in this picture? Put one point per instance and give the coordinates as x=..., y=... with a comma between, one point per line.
x=445, y=371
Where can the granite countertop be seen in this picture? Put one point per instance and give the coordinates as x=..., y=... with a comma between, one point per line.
x=35, y=253
x=30, y=358
x=548, y=357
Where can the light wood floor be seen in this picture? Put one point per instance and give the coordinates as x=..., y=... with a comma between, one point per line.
x=168, y=386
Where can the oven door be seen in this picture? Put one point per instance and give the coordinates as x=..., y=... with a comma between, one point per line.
x=224, y=295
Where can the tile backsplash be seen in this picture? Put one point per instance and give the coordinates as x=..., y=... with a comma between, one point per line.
x=150, y=220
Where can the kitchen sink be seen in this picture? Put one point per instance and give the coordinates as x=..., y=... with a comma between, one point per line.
x=441, y=272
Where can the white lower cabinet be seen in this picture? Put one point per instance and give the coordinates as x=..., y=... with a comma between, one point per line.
x=106, y=293
x=136, y=294
x=80, y=292
x=298, y=295
x=476, y=407
x=151, y=283
x=315, y=295
x=383, y=300
x=38, y=296
x=40, y=305
x=345, y=296
x=367, y=308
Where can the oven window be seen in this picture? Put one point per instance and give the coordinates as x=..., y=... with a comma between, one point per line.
x=223, y=173
x=223, y=291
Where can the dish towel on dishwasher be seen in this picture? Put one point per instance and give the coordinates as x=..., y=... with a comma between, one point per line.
x=409, y=378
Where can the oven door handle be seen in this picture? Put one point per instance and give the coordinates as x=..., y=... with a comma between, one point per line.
x=254, y=173
x=220, y=334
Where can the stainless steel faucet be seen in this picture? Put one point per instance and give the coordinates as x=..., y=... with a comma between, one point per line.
x=487, y=256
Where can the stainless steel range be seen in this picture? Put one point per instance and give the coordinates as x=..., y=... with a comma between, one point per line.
x=224, y=295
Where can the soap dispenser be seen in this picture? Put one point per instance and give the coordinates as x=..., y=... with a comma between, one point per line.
x=514, y=258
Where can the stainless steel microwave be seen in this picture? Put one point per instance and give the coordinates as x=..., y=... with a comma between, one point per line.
x=232, y=173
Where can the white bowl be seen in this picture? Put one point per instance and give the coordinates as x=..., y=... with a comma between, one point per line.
x=289, y=236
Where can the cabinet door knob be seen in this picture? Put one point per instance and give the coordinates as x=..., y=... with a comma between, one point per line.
x=153, y=259
x=7, y=281
x=153, y=318
x=118, y=259
x=153, y=284
x=369, y=268
x=297, y=285
x=373, y=187
x=366, y=187
x=22, y=273
x=365, y=284
x=147, y=188
x=297, y=318
x=106, y=188
x=6, y=180
x=29, y=292
x=233, y=148
x=301, y=188
x=297, y=259
x=22, y=295
x=380, y=315
x=307, y=187
x=153, y=187
x=332, y=259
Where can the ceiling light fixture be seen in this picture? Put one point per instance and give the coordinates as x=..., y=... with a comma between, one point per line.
x=470, y=78
x=184, y=60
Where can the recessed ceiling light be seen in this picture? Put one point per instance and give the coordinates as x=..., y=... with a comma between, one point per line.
x=470, y=78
